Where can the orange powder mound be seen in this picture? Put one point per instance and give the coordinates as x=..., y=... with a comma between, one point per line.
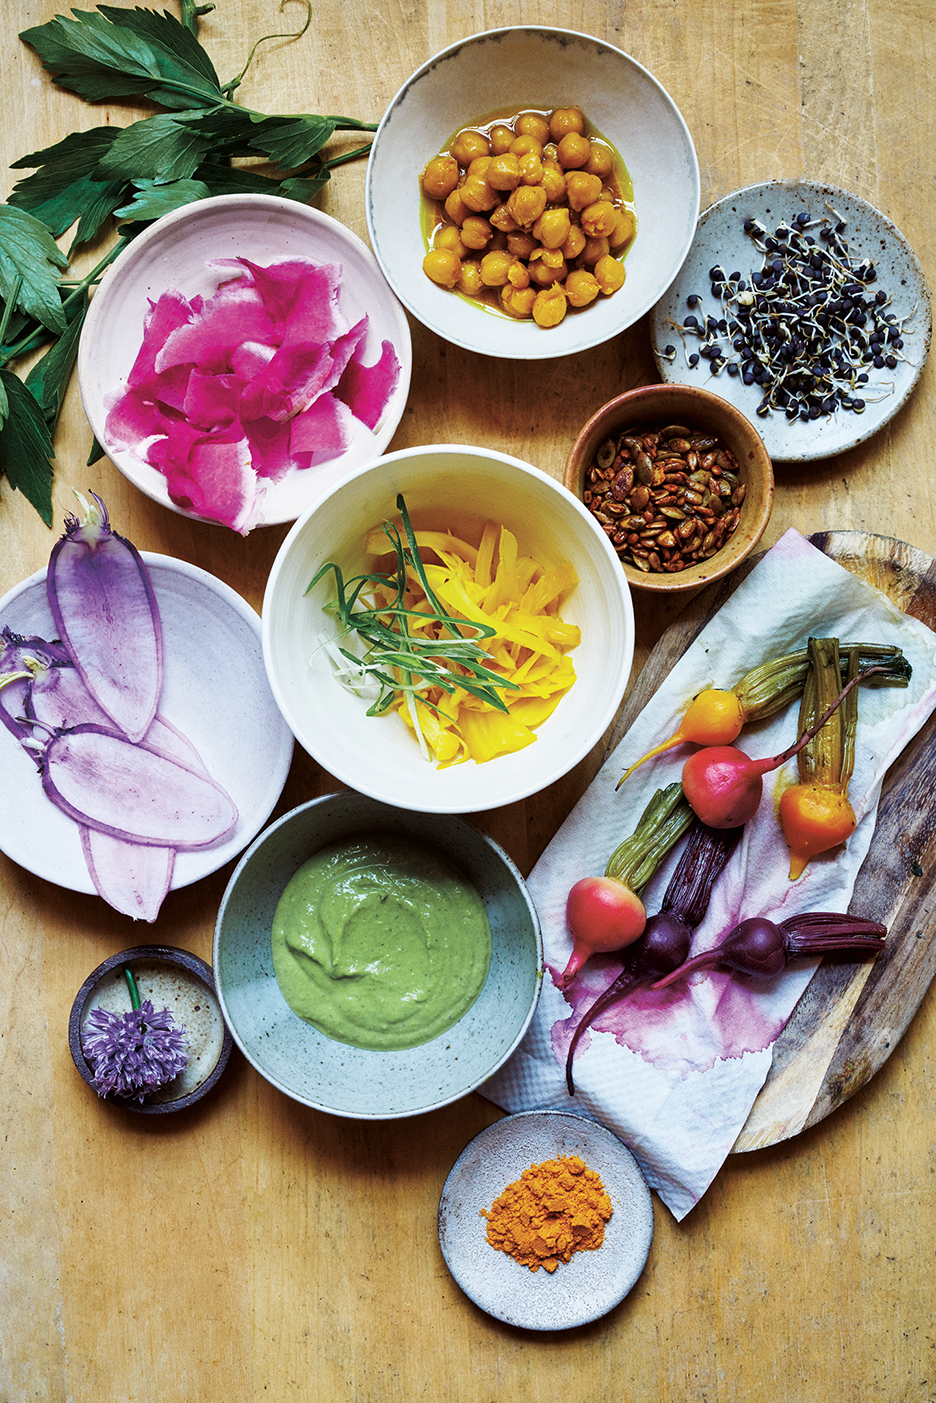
x=553, y=1210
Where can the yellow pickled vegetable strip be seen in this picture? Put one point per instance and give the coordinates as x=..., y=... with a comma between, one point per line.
x=377, y=543
x=485, y=558
x=490, y=733
x=453, y=595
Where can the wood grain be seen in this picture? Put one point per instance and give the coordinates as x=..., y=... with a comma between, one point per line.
x=255, y=1250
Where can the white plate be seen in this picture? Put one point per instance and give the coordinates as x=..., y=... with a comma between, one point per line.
x=591, y=1283
x=215, y=691
x=174, y=253
x=720, y=239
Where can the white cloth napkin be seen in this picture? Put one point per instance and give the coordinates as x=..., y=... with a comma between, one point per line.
x=675, y=1074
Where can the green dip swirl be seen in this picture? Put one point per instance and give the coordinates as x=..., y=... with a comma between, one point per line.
x=380, y=942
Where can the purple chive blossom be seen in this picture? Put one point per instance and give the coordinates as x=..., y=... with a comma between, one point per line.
x=134, y=1053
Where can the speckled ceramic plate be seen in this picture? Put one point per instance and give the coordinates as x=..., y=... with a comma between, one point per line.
x=578, y=1291
x=720, y=239
x=214, y=690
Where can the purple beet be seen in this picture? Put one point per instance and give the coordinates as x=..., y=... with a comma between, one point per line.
x=106, y=615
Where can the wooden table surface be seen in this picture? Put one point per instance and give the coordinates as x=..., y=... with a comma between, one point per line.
x=252, y=1249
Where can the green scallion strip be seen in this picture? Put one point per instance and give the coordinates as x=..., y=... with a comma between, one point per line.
x=398, y=660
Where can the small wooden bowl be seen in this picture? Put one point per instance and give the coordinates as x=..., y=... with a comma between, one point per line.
x=696, y=409
x=171, y=978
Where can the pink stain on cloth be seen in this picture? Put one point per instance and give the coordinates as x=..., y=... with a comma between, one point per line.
x=263, y=378
x=675, y=1073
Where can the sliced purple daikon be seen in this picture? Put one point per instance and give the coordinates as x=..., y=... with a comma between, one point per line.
x=132, y=877
x=106, y=615
x=20, y=657
x=134, y=791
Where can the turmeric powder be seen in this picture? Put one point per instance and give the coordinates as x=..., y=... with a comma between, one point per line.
x=553, y=1210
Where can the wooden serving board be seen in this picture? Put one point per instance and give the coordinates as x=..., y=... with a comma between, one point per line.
x=852, y=1015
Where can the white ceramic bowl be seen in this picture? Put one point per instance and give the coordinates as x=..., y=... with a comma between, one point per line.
x=333, y=1076
x=378, y=755
x=175, y=252
x=520, y=69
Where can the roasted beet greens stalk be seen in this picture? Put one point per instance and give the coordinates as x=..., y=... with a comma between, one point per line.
x=125, y=177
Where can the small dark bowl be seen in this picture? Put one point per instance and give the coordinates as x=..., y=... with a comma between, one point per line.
x=210, y=1043
x=697, y=409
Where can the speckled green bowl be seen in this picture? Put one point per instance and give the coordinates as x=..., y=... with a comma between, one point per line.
x=332, y=1076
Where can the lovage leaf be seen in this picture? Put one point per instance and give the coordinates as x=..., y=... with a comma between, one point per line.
x=26, y=446
x=48, y=379
x=152, y=200
x=125, y=53
x=30, y=262
x=291, y=141
x=165, y=147
x=64, y=188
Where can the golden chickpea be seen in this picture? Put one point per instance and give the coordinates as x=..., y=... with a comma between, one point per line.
x=532, y=124
x=573, y=151
x=478, y=195
x=526, y=204
x=574, y=243
x=609, y=274
x=552, y=228
x=554, y=182
x=582, y=189
x=503, y=173
x=564, y=120
x=581, y=287
x=625, y=227
x=502, y=220
x=469, y=281
x=531, y=169
x=468, y=145
x=542, y=273
x=495, y=268
x=440, y=177
x=442, y=266
x=518, y=301
x=501, y=137
x=521, y=244
x=526, y=145
x=449, y=236
x=593, y=250
x=475, y=232
x=455, y=208
x=479, y=166
x=600, y=161
x=550, y=306
x=598, y=219
x=552, y=258
x=518, y=275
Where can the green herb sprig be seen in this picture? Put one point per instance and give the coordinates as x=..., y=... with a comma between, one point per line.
x=398, y=660
x=130, y=175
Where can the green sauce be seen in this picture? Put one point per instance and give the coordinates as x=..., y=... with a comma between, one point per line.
x=380, y=942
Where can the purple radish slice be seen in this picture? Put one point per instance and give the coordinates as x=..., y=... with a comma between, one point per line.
x=132, y=877
x=106, y=614
x=19, y=656
x=136, y=792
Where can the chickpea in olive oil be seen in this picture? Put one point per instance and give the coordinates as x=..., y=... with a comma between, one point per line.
x=528, y=215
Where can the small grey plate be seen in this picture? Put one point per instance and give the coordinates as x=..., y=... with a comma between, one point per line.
x=578, y=1291
x=720, y=239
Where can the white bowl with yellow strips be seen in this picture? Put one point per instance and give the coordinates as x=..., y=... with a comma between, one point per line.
x=534, y=564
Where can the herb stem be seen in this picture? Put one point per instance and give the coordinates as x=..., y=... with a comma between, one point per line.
x=39, y=335
x=132, y=986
